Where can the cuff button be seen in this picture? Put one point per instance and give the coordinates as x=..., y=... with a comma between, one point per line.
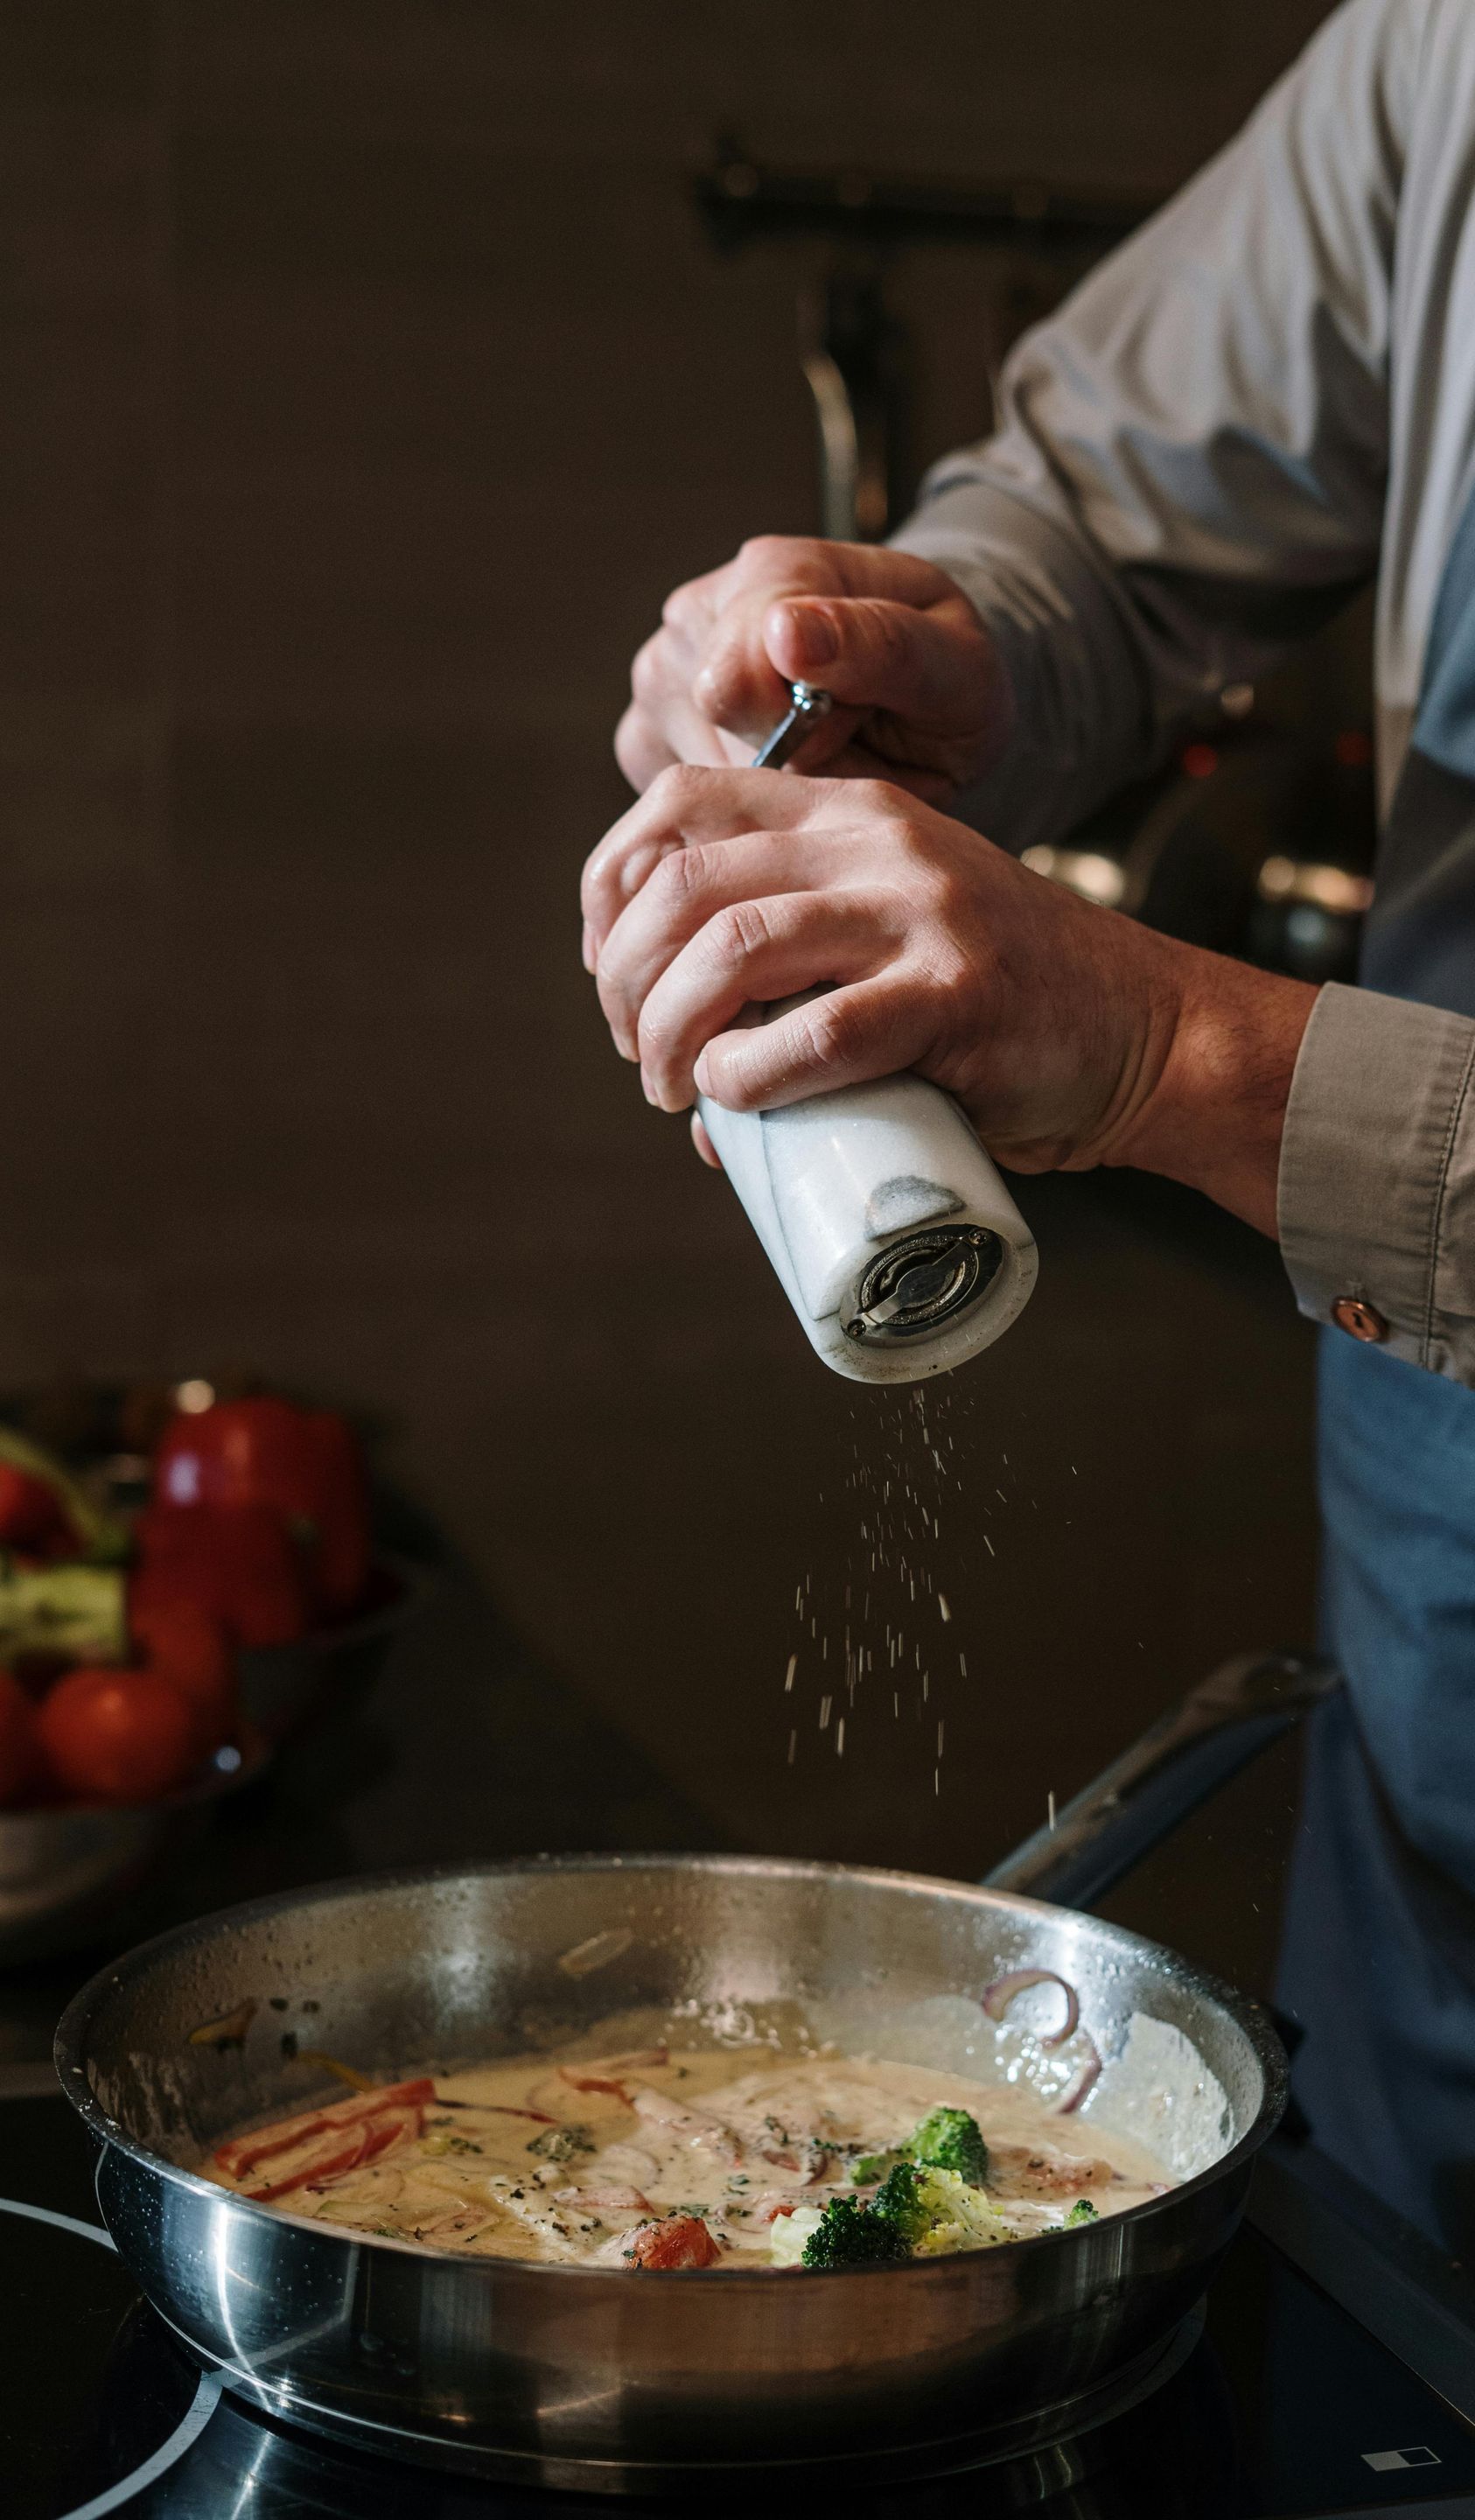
x=1359, y=1320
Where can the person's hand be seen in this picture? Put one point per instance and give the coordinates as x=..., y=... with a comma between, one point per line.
x=1070, y=1035
x=921, y=696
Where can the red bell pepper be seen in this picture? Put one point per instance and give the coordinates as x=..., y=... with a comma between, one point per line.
x=301, y=1464
x=242, y=2152
x=236, y=1561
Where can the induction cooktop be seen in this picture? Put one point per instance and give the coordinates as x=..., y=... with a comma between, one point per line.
x=1333, y=2372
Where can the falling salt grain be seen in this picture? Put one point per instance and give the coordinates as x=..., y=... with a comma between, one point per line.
x=942, y=1603
x=1050, y=1804
x=839, y=1739
x=789, y=1677
x=826, y=1704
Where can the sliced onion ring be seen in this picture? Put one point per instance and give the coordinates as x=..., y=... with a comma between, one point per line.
x=1085, y=2080
x=1000, y=1995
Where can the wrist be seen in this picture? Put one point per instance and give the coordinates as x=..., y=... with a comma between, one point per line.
x=1214, y=1116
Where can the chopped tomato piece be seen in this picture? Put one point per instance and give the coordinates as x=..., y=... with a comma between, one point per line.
x=682, y=2241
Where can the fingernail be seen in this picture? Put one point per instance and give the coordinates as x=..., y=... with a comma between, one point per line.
x=699, y=1075
x=647, y=1087
x=813, y=636
x=587, y=947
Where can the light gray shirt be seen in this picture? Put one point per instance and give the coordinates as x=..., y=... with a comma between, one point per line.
x=1265, y=399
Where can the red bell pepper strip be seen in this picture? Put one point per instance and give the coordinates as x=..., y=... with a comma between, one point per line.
x=242, y=2152
x=327, y=2162
x=594, y=2082
x=375, y=2134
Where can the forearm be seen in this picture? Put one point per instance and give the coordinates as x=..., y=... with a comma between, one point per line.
x=1188, y=468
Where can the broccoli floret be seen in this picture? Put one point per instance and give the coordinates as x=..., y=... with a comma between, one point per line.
x=950, y=2139
x=936, y=2211
x=900, y=2201
x=849, y=2234
x=873, y=2166
x=1083, y=2211
x=916, y=2212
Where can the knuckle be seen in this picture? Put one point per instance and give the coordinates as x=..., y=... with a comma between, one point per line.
x=678, y=788
x=889, y=632
x=681, y=608
x=638, y=749
x=833, y=1031
x=679, y=877
x=651, y=1040
x=738, y=932
x=647, y=678
x=767, y=555
x=911, y=842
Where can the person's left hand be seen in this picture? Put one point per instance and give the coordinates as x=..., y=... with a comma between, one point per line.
x=1070, y=1035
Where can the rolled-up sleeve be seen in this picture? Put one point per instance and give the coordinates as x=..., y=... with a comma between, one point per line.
x=1189, y=466
x=1377, y=1174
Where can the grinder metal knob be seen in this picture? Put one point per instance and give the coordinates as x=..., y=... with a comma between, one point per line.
x=916, y=1285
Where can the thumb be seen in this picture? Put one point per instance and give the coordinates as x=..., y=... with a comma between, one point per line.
x=927, y=670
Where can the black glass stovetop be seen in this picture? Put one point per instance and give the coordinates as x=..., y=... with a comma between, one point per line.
x=1287, y=2406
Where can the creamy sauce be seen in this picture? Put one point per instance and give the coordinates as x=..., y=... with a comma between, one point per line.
x=566, y=2162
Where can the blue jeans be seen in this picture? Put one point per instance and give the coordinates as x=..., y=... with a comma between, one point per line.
x=1378, y=1963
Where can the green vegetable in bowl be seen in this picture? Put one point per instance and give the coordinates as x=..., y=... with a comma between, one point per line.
x=77, y=1613
x=873, y=2166
x=950, y=2139
x=848, y=2234
x=936, y=2211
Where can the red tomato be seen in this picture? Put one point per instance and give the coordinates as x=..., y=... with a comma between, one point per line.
x=301, y=1464
x=117, y=1736
x=680, y=2240
x=32, y=1518
x=342, y=1554
x=18, y=1740
x=186, y=1647
x=237, y=1563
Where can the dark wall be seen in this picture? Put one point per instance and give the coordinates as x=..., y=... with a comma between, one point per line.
x=365, y=382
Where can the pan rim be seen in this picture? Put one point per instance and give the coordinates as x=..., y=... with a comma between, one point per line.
x=1249, y=2017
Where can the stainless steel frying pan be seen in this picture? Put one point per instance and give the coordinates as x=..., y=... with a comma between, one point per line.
x=586, y=2377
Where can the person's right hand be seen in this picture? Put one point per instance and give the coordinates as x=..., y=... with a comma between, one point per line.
x=923, y=698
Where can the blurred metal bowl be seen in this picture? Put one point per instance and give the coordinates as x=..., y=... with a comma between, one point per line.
x=69, y=1872
x=284, y=1687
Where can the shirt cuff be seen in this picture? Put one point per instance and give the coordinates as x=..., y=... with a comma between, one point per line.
x=1376, y=1191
